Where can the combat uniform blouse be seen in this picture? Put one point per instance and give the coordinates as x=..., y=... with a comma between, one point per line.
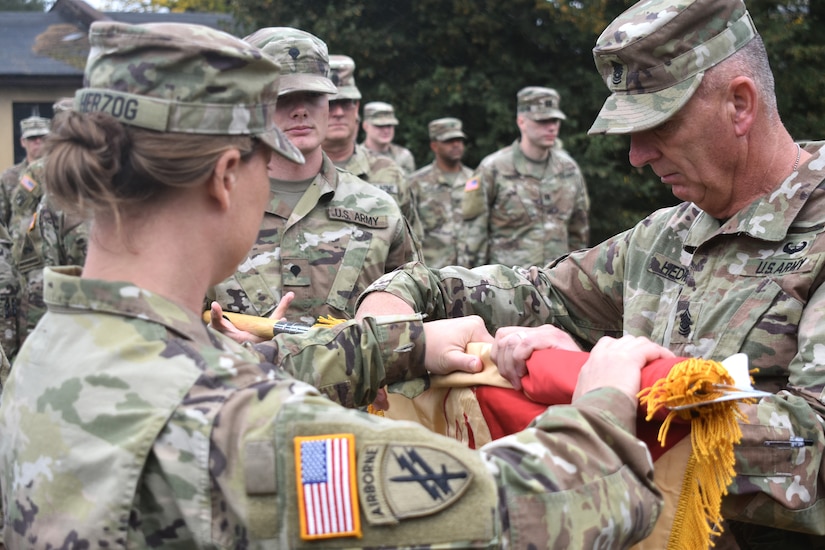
x=343, y=234
x=438, y=195
x=126, y=422
x=521, y=212
x=703, y=288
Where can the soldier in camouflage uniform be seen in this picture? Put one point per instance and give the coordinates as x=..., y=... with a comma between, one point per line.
x=737, y=267
x=129, y=423
x=340, y=146
x=379, y=129
x=326, y=234
x=33, y=133
x=27, y=248
x=526, y=203
x=437, y=191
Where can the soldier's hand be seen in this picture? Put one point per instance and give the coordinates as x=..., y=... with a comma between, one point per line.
x=446, y=341
x=223, y=325
x=513, y=346
x=618, y=363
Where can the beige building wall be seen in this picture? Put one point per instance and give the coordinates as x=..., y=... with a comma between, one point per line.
x=11, y=95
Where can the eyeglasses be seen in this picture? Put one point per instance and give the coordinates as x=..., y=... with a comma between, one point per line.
x=344, y=104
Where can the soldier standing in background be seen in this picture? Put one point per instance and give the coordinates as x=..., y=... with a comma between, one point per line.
x=342, y=133
x=33, y=131
x=438, y=189
x=379, y=129
x=526, y=203
x=326, y=234
x=25, y=232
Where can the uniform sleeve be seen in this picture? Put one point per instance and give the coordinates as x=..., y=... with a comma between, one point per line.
x=405, y=246
x=561, y=294
x=474, y=234
x=349, y=362
x=779, y=462
x=408, y=487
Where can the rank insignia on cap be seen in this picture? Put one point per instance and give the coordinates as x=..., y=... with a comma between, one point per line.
x=327, y=495
x=471, y=185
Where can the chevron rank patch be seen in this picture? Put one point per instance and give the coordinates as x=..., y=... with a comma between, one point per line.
x=327, y=495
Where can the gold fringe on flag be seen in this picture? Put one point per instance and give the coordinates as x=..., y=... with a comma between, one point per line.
x=714, y=431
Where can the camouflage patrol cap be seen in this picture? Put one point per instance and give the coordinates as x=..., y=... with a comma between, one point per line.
x=654, y=55
x=34, y=126
x=443, y=129
x=379, y=113
x=303, y=58
x=176, y=77
x=342, y=68
x=538, y=103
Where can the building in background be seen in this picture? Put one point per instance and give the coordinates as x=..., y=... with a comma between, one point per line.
x=44, y=54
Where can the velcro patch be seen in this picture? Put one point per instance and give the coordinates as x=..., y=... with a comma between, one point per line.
x=28, y=183
x=355, y=216
x=471, y=185
x=667, y=268
x=777, y=266
x=327, y=494
x=408, y=481
x=390, y=188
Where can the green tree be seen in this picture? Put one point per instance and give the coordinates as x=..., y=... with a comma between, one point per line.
x=22, y=5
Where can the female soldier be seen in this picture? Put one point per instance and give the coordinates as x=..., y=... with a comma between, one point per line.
x=126, y=422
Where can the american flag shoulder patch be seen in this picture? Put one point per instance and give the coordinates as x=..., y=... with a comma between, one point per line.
x=28, y=183
x=326, y=481
x=471, y=185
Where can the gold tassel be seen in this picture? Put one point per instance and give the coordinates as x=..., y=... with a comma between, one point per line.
x=713, y=433
x=327, y=321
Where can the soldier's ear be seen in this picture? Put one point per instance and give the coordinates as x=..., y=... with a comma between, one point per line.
x=223, y=181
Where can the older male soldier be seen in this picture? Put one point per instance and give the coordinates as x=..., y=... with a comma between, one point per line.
x=379, y=129
x=340, y=146
x=526, y=203
x=437, y=191
x=326, y=234
x=737, y=267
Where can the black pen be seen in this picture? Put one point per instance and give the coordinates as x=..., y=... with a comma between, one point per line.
x=791, y=443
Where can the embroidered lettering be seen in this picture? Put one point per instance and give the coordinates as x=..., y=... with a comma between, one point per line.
x=117, y=106
x=361, y=218
x=668, y=269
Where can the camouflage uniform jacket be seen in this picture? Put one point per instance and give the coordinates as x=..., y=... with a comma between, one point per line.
x=9, y=181
x=402, y=156
x=702, y=288
x=438, y=195
x=387, y=175
x=342, y=235
x=130, y=424
x=63, y=237
x=27, y=247
x=519, y=212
